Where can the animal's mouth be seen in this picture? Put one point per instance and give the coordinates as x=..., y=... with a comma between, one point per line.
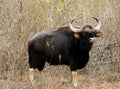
x=92, y=40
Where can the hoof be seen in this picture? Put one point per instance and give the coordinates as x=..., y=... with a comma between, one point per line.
x=74, y=85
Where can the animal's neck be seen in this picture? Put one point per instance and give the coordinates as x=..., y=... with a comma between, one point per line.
x=84, y=45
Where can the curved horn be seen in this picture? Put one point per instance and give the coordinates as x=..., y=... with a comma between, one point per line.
x=74, y=29
x=97, y=27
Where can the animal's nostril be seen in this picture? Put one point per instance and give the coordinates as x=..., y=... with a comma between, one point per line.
x=92, y=39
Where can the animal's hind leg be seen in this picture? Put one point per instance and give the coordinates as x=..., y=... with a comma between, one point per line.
x=32, y=71
x=41, y=65
x=36, y=61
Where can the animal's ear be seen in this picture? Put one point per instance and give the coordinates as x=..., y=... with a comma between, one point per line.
x=98, y=33
x=77, y=35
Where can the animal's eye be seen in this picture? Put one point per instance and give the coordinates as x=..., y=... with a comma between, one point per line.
x=92, y=34
x=85, y=34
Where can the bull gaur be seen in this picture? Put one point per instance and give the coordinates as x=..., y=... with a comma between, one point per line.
x=64, y=46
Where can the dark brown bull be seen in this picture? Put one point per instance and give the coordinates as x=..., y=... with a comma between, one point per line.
x=65, y=46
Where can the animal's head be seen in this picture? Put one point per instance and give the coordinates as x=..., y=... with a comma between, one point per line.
x=87, y=32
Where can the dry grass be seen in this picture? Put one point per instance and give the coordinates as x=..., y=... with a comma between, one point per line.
x=20, y=19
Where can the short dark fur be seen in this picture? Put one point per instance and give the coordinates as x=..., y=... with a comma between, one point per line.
x=60, y=47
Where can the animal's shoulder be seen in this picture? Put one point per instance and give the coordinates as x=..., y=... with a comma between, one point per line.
x=63, y=31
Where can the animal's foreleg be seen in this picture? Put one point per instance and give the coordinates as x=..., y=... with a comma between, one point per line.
x=31, y=74
x=38, y=73
x=74, y=75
